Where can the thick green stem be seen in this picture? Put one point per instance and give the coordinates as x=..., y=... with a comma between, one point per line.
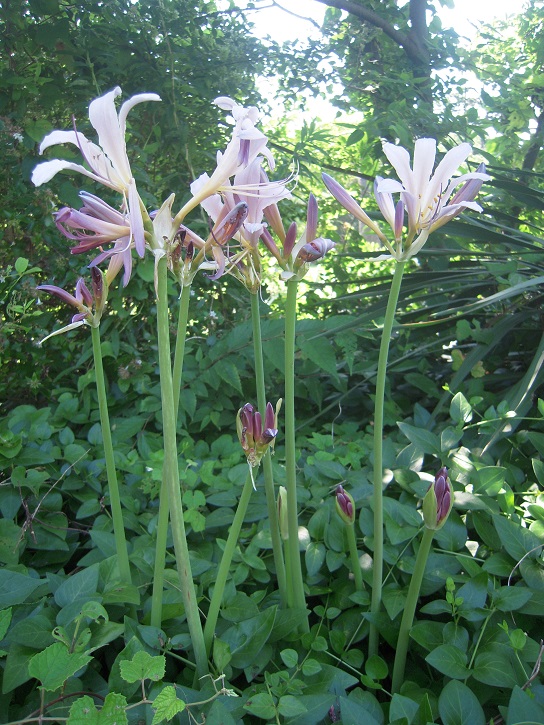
x=171, y=471
x=354, y=556
x=113, y=486
x=162, y=522
x=224, y=566
x=381, y=378
x=410, y=609
x=293, y=550
x=267, y=460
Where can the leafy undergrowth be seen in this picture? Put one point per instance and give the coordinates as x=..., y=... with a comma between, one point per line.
x=78, y=648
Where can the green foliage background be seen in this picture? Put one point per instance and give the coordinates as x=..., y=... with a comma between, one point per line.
x=465, y=376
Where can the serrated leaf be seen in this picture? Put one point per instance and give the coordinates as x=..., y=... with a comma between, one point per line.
x=55, y=665
x=320, y=351
x=143, y=666
x=112, y=712
x=228, y=372
x=166, y=705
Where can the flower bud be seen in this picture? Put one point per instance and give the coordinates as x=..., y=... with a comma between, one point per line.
x=254, y=434
x=282, y=513
x=345, y=506
x=438, y=501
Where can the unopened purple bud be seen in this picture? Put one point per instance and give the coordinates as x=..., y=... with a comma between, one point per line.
x=438, y=501
x=290, y=239
x=345, y=505
x=311, y=218
x=83, y=294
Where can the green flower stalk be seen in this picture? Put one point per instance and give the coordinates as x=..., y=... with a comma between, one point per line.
x=437, y=505
x=256, y=435
x=171, y=472
x=345, y=508
x=90, y=307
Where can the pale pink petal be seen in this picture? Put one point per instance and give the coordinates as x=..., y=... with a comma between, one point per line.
x=399, y=158
x=103, y=117
x=424, y=156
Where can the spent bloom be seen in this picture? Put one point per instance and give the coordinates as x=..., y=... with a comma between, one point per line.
x=107, y=162
x=438, y=501
x=345, y=506
x=89, y=304
x=255, y=433
x=95, y=224
x=427, y=200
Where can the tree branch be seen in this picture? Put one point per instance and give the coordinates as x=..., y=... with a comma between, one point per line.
x=412, y=49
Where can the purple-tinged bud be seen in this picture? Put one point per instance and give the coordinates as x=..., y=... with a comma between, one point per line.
x=311, y=218
x=438, y=501
x=345, y=506
x=469, y=189
x=290, y=239
x=315, y=250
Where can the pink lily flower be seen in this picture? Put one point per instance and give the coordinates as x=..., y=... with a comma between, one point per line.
x=428, y=199
x=107, y=162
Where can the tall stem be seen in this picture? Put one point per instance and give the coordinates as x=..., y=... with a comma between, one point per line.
x=354, y=556
x=409, y=609
x=267, y=460
x=377, y=576
x=292, y=544
x=171, y=471
x=162, y=521
x=113, y=486
x=224, y=566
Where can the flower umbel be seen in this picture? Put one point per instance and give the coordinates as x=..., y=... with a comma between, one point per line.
x=428, y=199
x=254, y=433
x=90, y=305
x=438, y=501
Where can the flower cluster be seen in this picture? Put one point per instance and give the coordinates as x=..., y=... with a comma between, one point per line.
x=256, y=433
x=426, y=202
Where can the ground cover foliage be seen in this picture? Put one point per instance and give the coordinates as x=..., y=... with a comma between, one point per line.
x=463, y=391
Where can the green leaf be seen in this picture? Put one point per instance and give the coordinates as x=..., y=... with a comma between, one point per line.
x=517, y=540
x=228, y=372
x=289, y=657
x=460, y=409
x=523, y=709
x=112, y=712
x=55, y=665
x=290, y=706
x=493, y=667
x=508, y=599
x=448, y=660
x=403, y=707
x=321, y=352
x=458, y=705
x=247, y=638
x=221, y=654
x=143, y=666
x=425, y=440
x=15, y=587
x=261, y=705
x=314, y=557
x=80, y=585
x=5, y=620
x=376, y=668
x=167, y=705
